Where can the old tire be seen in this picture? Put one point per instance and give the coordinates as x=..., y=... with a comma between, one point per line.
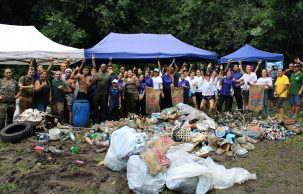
x=16, y=132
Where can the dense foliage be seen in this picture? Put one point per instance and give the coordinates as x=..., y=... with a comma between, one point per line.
x=218, y=25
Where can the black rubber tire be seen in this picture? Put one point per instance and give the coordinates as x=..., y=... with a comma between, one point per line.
x=16, y=132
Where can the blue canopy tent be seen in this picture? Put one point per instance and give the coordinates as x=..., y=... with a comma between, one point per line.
x=248, y=53
x=146, y=47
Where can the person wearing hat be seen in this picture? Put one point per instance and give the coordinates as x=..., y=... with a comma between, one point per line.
x=114, y=101
x=295, y=90
x=158, y=83
x=70, y=88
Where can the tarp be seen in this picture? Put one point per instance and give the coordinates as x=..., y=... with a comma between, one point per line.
x=21, y=43
x=146, y=47
x=248, y=53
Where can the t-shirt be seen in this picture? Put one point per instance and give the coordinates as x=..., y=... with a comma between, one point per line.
x=281, y=84
x=236, y=76
x=157, y=81
x=226, y=86
x=8, y=89
x=184, y=83
x=199, y=83
x=207, y=87
x=288, y=73
x=273, y=75
x=248, y=78
x=141, y=87
x=149, y=82
x=167, y=81
x=176, y=79
x=26, y=81
x=193, y=84
x=264, y=81
x=58, y=95
x=296, y=82
x=114, y=94
x=102, y=83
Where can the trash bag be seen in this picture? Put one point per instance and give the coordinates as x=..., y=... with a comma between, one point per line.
x=183, y=173
x=16, y=113
x=219, y=177
x=140, y=181
x=124, y=143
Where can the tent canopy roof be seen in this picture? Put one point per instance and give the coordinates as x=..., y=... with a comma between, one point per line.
x=146, y=47
x=250, y=54
x=25, y=42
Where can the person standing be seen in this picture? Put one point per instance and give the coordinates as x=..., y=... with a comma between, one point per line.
x=42, y=92
x=193, y=86
x=207, y=92
x=131, y=84
x=236, y=75
x=70, y=89
x=199, y=79
x=249, y=78
x=58, y=90
x=148, y=80
x=281, y=90
x=141, y=101
x=272, y=73
x=167, y=82
x=8, y=91
x=27, y=91
x=114, y=101
x=267, y=83
x=226, y=92
x=185, y=85
x=102, y=80
x=295, y=90
x=158, y=83
x=290, y=70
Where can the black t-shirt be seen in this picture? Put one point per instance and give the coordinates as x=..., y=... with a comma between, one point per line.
x=176, y=79
x=288, y=73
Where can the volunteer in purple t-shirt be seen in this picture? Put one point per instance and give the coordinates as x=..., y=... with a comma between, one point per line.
x=226, y=92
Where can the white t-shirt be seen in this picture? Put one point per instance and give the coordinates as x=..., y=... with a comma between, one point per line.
x=199, y=83
x=248, y=78
x=193, y=84
x=207, y=87
x=157, y=81
x=264, y=81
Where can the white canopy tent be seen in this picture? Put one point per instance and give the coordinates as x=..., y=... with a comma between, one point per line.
x=18, y=44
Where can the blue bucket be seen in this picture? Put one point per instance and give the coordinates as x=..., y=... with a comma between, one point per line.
x=81, y=113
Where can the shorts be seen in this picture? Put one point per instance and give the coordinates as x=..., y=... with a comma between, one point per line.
x=280, y=101
x=193, y=94
x=70, y=99
x=294, y=100
x=245, y=94
x=208, y=98
x=82, y=96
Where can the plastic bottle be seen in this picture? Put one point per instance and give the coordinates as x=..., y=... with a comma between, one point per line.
x=74, y=150
x=71, y=136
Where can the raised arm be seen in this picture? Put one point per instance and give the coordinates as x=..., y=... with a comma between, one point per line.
x=52, y=62
x=74, y=75
x=82, y=64
x=240, y=67
x=67, y=62
x=228, y=64
x=190, y=67
x=93, y=61
x=258, y=66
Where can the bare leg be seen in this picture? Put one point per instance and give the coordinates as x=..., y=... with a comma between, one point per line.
x=211, y=106
x=69, y=109
x=195, y=102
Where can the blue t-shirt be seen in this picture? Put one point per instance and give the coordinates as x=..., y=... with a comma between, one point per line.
x=149, y=82
x=236, y=76
x=184, y=83
x=226, y=86
x=37, y=76
x=141, y=87
x=273, y=75
x=120, y=83
x=114, y=94
x=167, y=80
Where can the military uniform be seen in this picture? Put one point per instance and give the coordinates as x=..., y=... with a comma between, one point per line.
x=8, y=90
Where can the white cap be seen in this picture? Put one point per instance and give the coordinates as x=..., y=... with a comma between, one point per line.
x=115, y=81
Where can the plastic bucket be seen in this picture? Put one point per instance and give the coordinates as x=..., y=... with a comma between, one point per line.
x=81, y=114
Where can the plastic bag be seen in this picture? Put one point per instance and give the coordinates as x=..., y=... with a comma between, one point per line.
x=124, y=143
x=16, y=113
x=220, y=177
x=183, y=173
x=139, y=179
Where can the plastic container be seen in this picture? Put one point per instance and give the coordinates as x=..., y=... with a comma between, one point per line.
x=54, y=134
x=81, y=113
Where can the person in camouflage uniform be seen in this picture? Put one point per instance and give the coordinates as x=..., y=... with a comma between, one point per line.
x=8, y=90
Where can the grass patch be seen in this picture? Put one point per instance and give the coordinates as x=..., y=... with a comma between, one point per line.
x=89, y=191
x=23, y=168
x=7, y=187
x=3, y=146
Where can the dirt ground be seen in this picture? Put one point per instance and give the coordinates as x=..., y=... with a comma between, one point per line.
x=278, y=165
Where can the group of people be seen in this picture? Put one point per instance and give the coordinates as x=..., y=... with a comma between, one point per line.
x=112, y=96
